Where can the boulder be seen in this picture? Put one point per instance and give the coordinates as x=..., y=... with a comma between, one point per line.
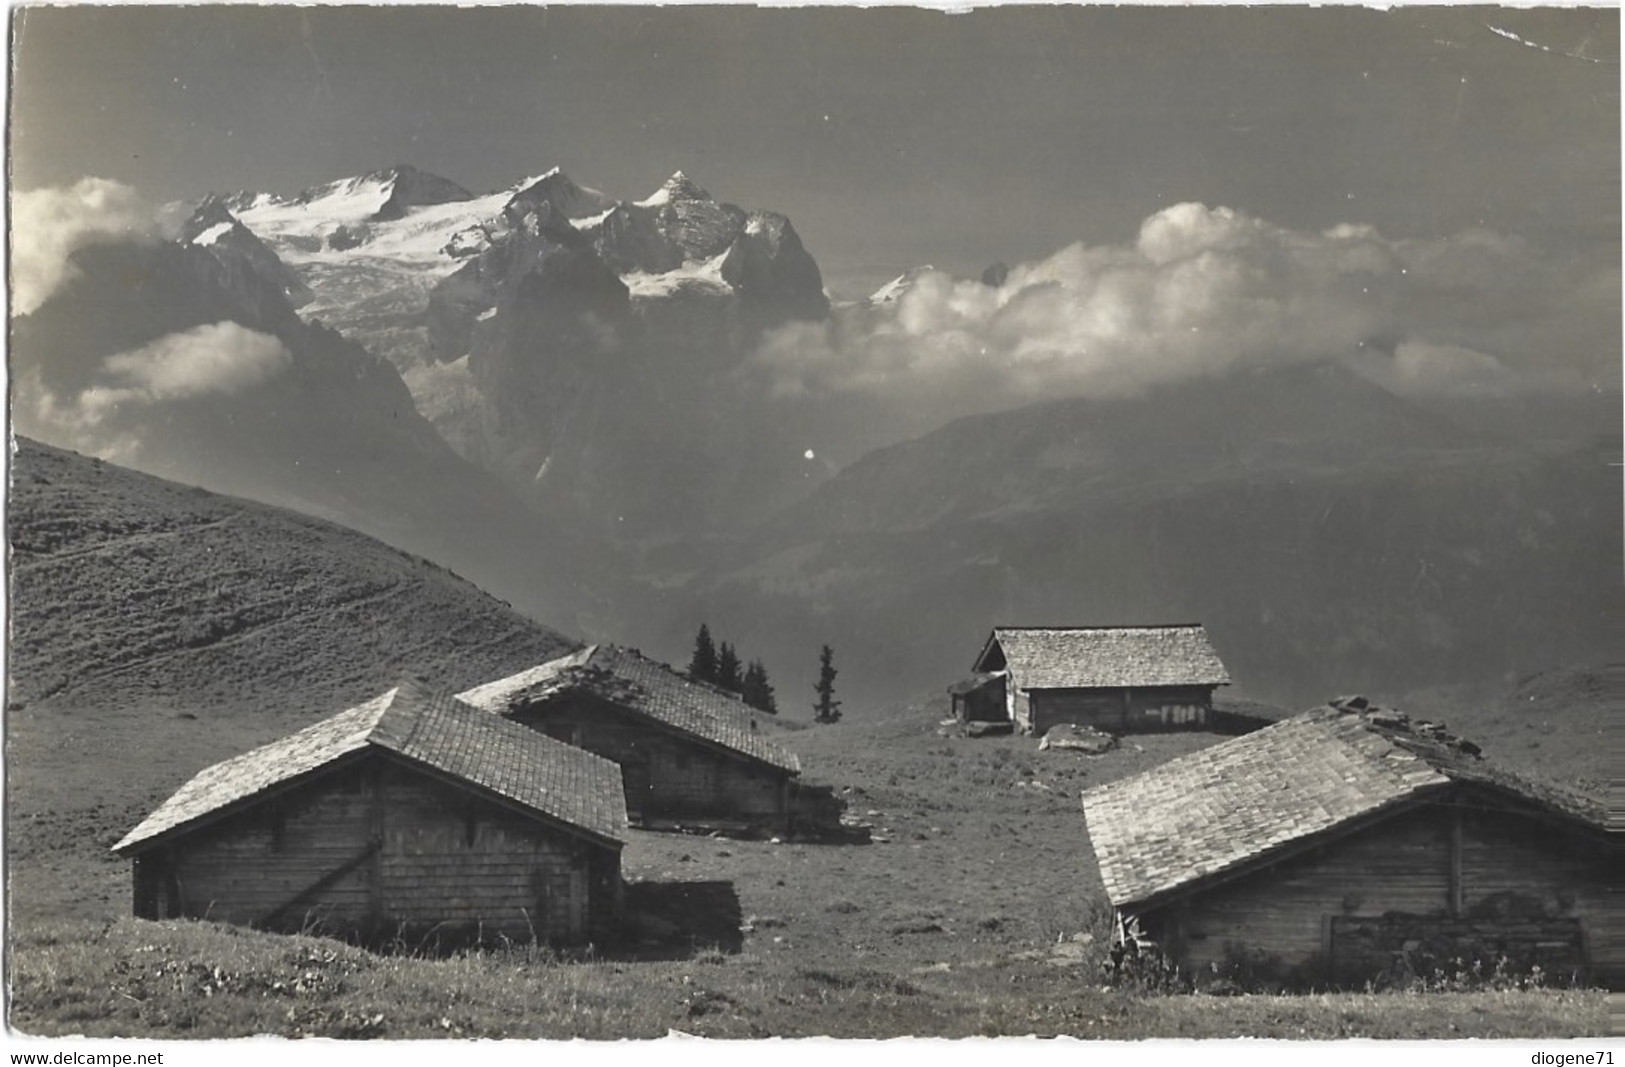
x=1085, y=739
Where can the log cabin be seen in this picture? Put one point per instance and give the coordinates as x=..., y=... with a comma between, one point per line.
x=1349, y=845
x=690, y=754
x=407, y=814
x=1119, y=679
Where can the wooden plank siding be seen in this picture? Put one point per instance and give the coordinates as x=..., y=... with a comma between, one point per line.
x=985, y=703
x=1399, y=865
x=1120, y=710
x=668, y=776
x=1448, y=870
x=430, y=856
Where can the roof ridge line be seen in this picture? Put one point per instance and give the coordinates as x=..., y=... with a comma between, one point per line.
x=1110, y=626
x=411, y=711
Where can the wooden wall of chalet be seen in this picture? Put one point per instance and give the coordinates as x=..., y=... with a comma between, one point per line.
x=1118, y=711
x=1466, y=878
x=667, y=775
x=985, y=703
x=375, y=846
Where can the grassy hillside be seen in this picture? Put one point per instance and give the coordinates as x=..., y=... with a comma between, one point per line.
x=157, y=628
x=127, y=587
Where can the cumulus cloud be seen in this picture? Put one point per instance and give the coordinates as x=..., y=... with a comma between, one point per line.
x=219, y=359
x=1203, y=292
x=48, y=225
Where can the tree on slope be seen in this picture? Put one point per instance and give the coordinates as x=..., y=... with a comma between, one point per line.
x=757, y=690
x=728, y=676
x=702, y=666
x=828, y=709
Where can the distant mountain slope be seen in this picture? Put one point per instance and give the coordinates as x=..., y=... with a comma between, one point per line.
x=128, y=589
x=1280, y=425
x=1333, y=538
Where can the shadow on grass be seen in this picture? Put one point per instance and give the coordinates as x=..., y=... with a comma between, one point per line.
x=820, y=818
x=680, y=920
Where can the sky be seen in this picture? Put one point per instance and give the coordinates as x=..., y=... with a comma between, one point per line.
x=891, y=137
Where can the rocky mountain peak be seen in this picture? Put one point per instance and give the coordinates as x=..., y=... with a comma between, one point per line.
x=768, y=266
x=679, y=188
x=563, y=196
x=246, y=261
x=692, y=220
x=212, y=210
x=410, y=187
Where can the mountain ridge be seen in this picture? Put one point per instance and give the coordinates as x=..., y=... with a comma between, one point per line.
x=1389, y=549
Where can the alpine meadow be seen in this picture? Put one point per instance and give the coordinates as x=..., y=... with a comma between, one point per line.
x=617, y=521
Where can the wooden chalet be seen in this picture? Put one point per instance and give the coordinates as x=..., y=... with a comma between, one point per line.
x=409, y=812
x=690, y=754
x=1120, y=679
x=1350, y=844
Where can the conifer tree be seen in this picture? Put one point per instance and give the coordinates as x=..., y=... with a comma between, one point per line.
x=828, y=709
x=702, y=666
x=727, y=673
x=757, y=690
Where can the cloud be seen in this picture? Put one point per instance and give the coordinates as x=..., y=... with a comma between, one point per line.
x=1422, y=367
x=219, y=359
x=48, y=225
x=1204, y=292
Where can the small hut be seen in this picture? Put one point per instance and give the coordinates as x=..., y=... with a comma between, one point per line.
x=409, y=812
x=1119, y=679
x=689, y=753
x=980, y=697
x=1351, y=844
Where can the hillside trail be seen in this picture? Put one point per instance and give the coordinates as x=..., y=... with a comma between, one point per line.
x=25, y=558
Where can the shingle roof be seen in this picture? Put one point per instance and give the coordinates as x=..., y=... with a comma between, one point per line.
x=497, y=756
x=1235, y=804
x=631, y=680
x=972, y=683
x=1104, y=657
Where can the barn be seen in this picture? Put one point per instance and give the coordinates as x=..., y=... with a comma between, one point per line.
x=690, y=754
x=1120, y=679
x=410, y=812
x=1351, y=844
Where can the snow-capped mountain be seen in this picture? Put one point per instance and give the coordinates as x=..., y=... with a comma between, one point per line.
x=340, y=216
x=507, y=313
x=372, y=248
x=212, y=227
